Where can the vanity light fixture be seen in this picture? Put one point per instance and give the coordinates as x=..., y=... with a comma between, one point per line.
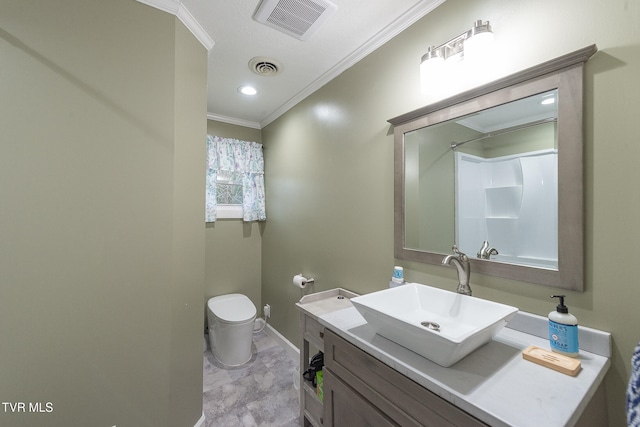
x=471, y=47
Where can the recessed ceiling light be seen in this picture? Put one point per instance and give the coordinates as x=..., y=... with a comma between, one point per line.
x=247, y=90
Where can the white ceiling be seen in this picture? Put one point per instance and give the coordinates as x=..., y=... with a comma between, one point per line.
x=354, y=30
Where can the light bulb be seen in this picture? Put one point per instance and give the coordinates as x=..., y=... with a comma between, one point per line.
x=431, y=70
x=247, y=90
x=479, y=47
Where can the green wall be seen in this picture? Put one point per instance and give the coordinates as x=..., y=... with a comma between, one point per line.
x=102, y=119
x=330, y=168
x=234, y=247
x=188, y=237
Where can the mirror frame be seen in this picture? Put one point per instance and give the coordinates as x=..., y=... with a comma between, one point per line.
x=564, y=73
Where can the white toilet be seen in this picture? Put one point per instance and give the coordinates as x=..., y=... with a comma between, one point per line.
x=230, y=318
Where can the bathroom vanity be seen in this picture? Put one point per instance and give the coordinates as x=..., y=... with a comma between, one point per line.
x=311, y=307
x=369, y=380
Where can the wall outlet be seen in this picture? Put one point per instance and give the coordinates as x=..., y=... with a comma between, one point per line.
x=267, y=310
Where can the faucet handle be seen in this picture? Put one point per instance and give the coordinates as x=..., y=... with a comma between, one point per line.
x=483, y=249
x=486, y=251
x=461, y=255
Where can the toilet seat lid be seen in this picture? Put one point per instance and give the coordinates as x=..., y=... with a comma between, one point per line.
x=232, y=308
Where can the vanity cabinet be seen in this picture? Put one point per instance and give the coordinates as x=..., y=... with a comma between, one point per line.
x=359, y=390
x=312, y=340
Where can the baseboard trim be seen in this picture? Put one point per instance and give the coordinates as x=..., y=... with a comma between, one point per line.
x=287, y=345
x=201, y=421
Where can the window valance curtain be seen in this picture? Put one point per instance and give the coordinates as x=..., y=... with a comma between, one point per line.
x=245, y=159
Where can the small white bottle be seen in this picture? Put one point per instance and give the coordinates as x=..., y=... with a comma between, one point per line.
x=563, y=330
x=398, y=277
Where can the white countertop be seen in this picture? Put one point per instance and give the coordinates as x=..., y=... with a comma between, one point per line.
x=494, y=383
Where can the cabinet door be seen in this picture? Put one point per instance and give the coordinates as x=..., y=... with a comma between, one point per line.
x=344, y=407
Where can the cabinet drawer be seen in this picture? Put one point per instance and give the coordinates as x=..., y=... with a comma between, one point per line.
x=314, y=332
x=401, y=399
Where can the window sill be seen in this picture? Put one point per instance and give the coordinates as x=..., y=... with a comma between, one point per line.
x=229, y=211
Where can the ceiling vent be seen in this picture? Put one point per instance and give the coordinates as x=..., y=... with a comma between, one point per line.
x=264, y=66
x=298, y=18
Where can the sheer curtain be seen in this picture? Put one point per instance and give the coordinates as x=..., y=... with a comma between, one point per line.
x=244, y=159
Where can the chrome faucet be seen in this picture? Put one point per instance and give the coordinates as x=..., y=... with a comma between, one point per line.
x=461, y=262
x=485, y=251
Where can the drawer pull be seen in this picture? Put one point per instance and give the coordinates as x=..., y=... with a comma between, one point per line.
x=321, y=334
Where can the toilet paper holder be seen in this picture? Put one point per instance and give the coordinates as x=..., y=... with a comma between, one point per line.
x=307, y=281
x=300, y=281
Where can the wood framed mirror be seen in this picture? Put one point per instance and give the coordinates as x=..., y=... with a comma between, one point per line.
x=492, y=164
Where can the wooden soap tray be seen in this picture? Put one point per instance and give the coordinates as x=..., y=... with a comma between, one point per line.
x=566, y=365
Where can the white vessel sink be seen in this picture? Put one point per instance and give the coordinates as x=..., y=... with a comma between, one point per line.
x=440, y=325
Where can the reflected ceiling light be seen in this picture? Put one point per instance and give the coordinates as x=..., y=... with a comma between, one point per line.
x=548, y=100
x=247, y=90
x=472, y=46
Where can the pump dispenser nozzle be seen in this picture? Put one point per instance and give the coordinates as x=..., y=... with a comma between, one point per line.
x=561, y=308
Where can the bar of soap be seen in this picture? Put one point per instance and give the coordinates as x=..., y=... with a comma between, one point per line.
x=561, y=363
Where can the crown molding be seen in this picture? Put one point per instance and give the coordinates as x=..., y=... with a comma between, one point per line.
x=233, y=121
x=194, y=26
x=175, y=7
x=399, y=25
x=169, y=6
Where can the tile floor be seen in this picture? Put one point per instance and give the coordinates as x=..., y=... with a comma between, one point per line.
x=258, y=393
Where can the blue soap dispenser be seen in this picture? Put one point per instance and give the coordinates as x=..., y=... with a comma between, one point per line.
x=563, y=330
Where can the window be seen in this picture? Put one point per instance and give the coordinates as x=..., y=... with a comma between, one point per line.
x=229, y=194
x=235, y=180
